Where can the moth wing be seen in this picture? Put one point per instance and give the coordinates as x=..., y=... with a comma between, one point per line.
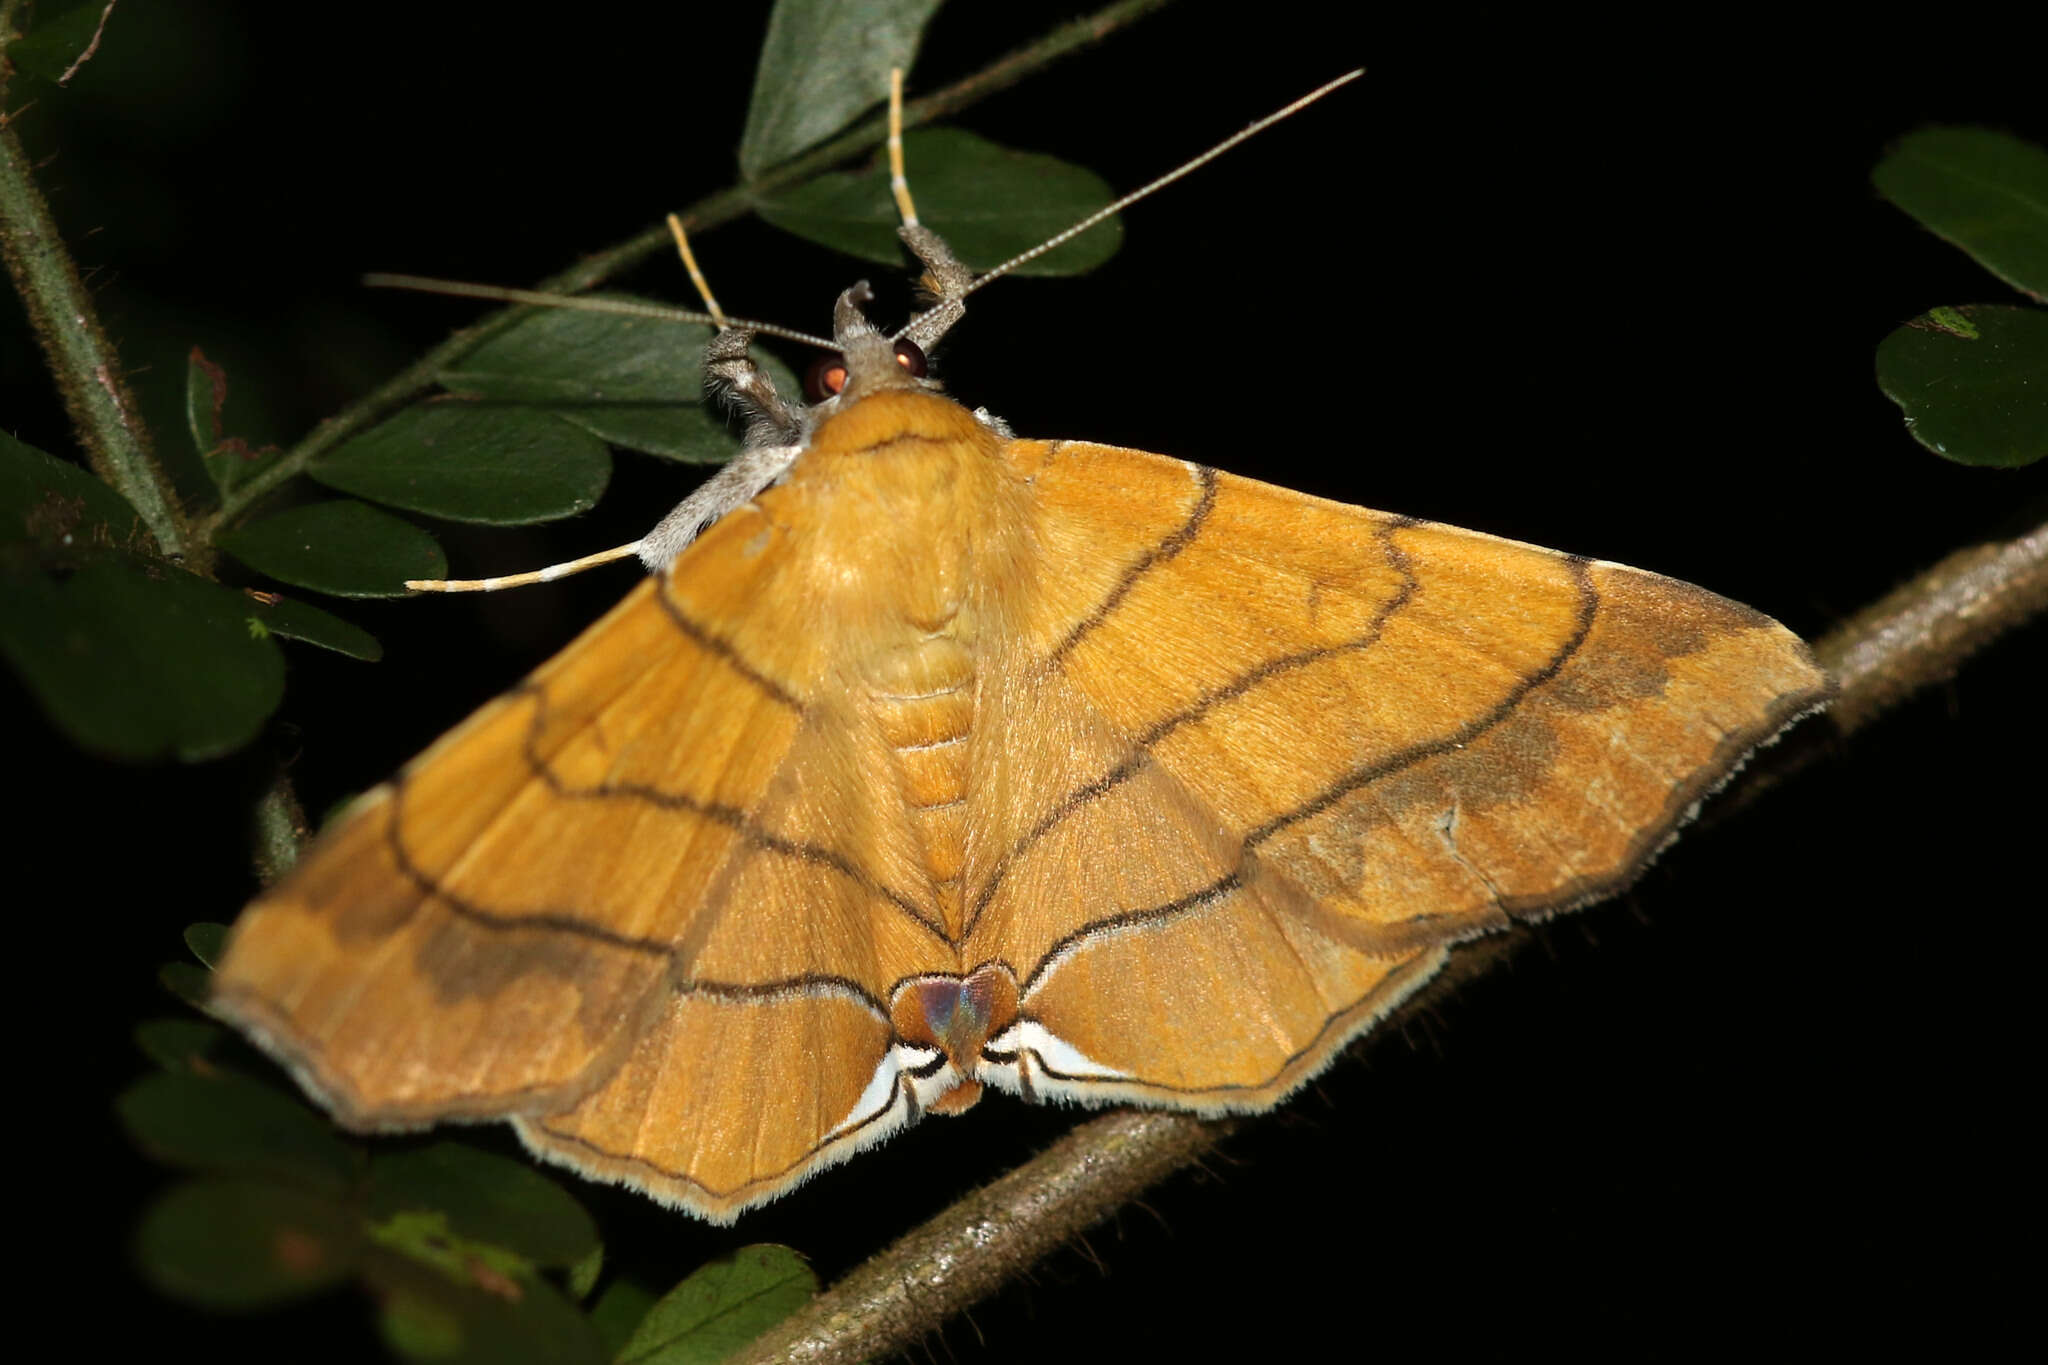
x=575, y=908
x=1320, y=745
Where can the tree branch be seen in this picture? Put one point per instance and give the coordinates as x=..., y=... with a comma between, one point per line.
x=1917, y=635
x=1924, y=631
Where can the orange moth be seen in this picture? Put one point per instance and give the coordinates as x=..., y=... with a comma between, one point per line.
x=929, y=758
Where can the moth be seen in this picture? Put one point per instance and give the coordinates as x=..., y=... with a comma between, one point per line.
x=929, y=758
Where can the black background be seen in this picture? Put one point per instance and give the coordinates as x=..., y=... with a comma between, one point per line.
x=1612, y=287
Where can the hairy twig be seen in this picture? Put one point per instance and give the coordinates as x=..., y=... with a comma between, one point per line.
x=66, y=323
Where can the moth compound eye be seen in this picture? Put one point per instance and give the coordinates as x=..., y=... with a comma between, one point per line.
x=826, y=377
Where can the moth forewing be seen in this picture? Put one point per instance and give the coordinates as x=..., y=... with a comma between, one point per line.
x=929, y=758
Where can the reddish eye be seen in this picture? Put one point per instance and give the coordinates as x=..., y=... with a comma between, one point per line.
x=827, y=375
x=825, y=378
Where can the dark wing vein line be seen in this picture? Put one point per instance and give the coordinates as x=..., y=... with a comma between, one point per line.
x=1362, y=776
x=1263, y=672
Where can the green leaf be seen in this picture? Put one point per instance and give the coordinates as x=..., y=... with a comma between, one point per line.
x=48, y=50
x=298, y=621
x=205, y=940
x=484, y=462
x=1983, y=190
x=206, y=392
x=632, y=382
x=618, y=1312
x=582, y=1277
x=1973, y=383
x=418, y=1327
x=569, y=355
x=189, y=983
x=696, y=433
x=823, y=64
x=60, y=508
x=691, y=432
x=238, y=1243
x=470, y=1311
x=721, y=1307
x=485, y=1198
x=346, y=548
x=989, y=202
x=181, y=1044
x=229, y=1123
x=136, y=659
x=131, y=657
x=229, y=460
x=426, y=1236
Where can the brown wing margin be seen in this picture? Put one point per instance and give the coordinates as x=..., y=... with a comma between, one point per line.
x=1348, y=740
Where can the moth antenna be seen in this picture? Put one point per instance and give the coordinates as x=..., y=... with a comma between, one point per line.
x=899, y=183
x=1060, y=238
x=583, y=303
x=947, y=279
x=521, y=580
x=675, y=227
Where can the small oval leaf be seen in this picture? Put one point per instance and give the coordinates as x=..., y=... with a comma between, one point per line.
x=230, y=461
x=230, y=1123
x=988, y=201
x=721, y=1307
x=297, y=621
x=582, y=1276
x=690, y=432
x=618, y=1313
x=695, y=433
x=486, y=1198
x=632, y=382
x=568, y=355
x=1983, y=190
x=237, y=1243
x=346, y=548
x=1970, y=382
x=181, y=1044
x=191, y=984
x=205, y=940
x=137, y=659
x=494, y=463
x=476, y=1314
x=59, y=507
x=823, y=64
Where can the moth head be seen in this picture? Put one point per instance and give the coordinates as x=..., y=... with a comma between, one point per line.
x=865, y=361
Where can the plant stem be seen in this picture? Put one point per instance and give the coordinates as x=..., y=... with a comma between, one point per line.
x=1924, y=631
x=88, y=372
x=1915, y=636
x=989, y=1237
x=712, y=211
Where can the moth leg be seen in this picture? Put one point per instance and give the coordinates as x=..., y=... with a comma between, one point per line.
x=732, y=376
x=736, y=485
x=729, y=370
x=946, y=279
